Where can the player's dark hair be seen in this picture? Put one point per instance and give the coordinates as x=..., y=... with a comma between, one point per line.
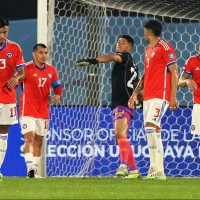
x=154, y=26
x=129, y=39
x=3, y=22
x=39, y=45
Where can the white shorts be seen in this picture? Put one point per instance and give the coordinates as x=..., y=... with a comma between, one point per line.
x=153, y=110
x=195, y=127
x=37, y=125
x=8, y=114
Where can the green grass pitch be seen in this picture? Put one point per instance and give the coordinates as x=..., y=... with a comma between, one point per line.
x=99, y=188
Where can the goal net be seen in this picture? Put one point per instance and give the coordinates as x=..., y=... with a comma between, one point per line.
x=81, y=140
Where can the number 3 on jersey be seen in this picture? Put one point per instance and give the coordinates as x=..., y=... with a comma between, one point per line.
x=42, y=81
x=148, y=62
x=2, y=63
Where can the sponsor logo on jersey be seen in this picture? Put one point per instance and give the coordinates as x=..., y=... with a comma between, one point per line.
x=119, y=113
x=9, y=55
x=49, y=75
x=197, y=68
x=193, y=127
x=35, y=74
x=171, y=56
x=153, y=54
x=24, y=126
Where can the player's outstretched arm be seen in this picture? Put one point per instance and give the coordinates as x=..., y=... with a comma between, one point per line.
x=173, y=104
x=184, y=81
x=137, y=90
x=100, y=59
x=19, y=76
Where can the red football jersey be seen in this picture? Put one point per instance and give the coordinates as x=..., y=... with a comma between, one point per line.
x=34, y=99
x=11, y=58
x=192, y=67
x=157, y=78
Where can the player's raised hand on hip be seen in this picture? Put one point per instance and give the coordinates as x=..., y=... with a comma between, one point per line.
x=192, y=84
x=56, y=99
x=85, y=62
x=12, y=82
x=173, y=104
x=131, y=101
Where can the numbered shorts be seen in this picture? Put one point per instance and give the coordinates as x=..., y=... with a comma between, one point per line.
x=8, y=114
x=195, y=127
x=37, y=125
x=153, y=110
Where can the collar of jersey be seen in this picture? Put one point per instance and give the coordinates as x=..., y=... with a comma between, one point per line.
x=39, y=67
x=4, y=45
x=156, y=44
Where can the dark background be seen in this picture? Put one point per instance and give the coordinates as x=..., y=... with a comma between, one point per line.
x=18, y=9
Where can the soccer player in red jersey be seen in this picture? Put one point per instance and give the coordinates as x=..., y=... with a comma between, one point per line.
x=11, y=59
x=192, y=68
x=34, y=105
x=159, y=82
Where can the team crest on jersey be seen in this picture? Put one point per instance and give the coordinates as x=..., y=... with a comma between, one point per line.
x=49, y=75
x=9, y=55
x=171, y=56
x=153, y=54
x=193, y=127
x=24, y=126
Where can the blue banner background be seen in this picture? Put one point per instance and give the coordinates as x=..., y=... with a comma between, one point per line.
x=71, y=141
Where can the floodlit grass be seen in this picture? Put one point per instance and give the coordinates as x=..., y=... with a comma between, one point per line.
x=99, y=188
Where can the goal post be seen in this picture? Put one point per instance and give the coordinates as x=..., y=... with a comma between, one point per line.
x=81, y=140
x=42, y=30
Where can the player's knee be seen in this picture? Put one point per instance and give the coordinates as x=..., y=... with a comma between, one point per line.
x=38, y=141
x=158, y=130
x=4, y=129
x=120, y=133
x=149, y=124
x=28, y=139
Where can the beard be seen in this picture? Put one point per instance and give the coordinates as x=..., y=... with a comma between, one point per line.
x=146, y=39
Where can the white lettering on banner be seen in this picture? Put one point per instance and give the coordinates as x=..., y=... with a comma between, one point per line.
x=107, y=135
x=70, y=151
x=141, y=151
x=103, y=134
x=78, y=143
x=79, y=151
x=140, y=135
x=60, y=147
x=114, y=151
x=88, y=134
x=188, y=152
x=199, y=151
x=22, y=151
x=51, y=149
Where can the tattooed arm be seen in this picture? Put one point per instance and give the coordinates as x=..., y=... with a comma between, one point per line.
x=184, y=81
x=137, y=90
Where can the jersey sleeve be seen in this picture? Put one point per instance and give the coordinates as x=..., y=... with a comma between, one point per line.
x=124, y=57
x=57, y=87
x=19, y=59
x=169, y=56
x=55, y=81
x=188, y=66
